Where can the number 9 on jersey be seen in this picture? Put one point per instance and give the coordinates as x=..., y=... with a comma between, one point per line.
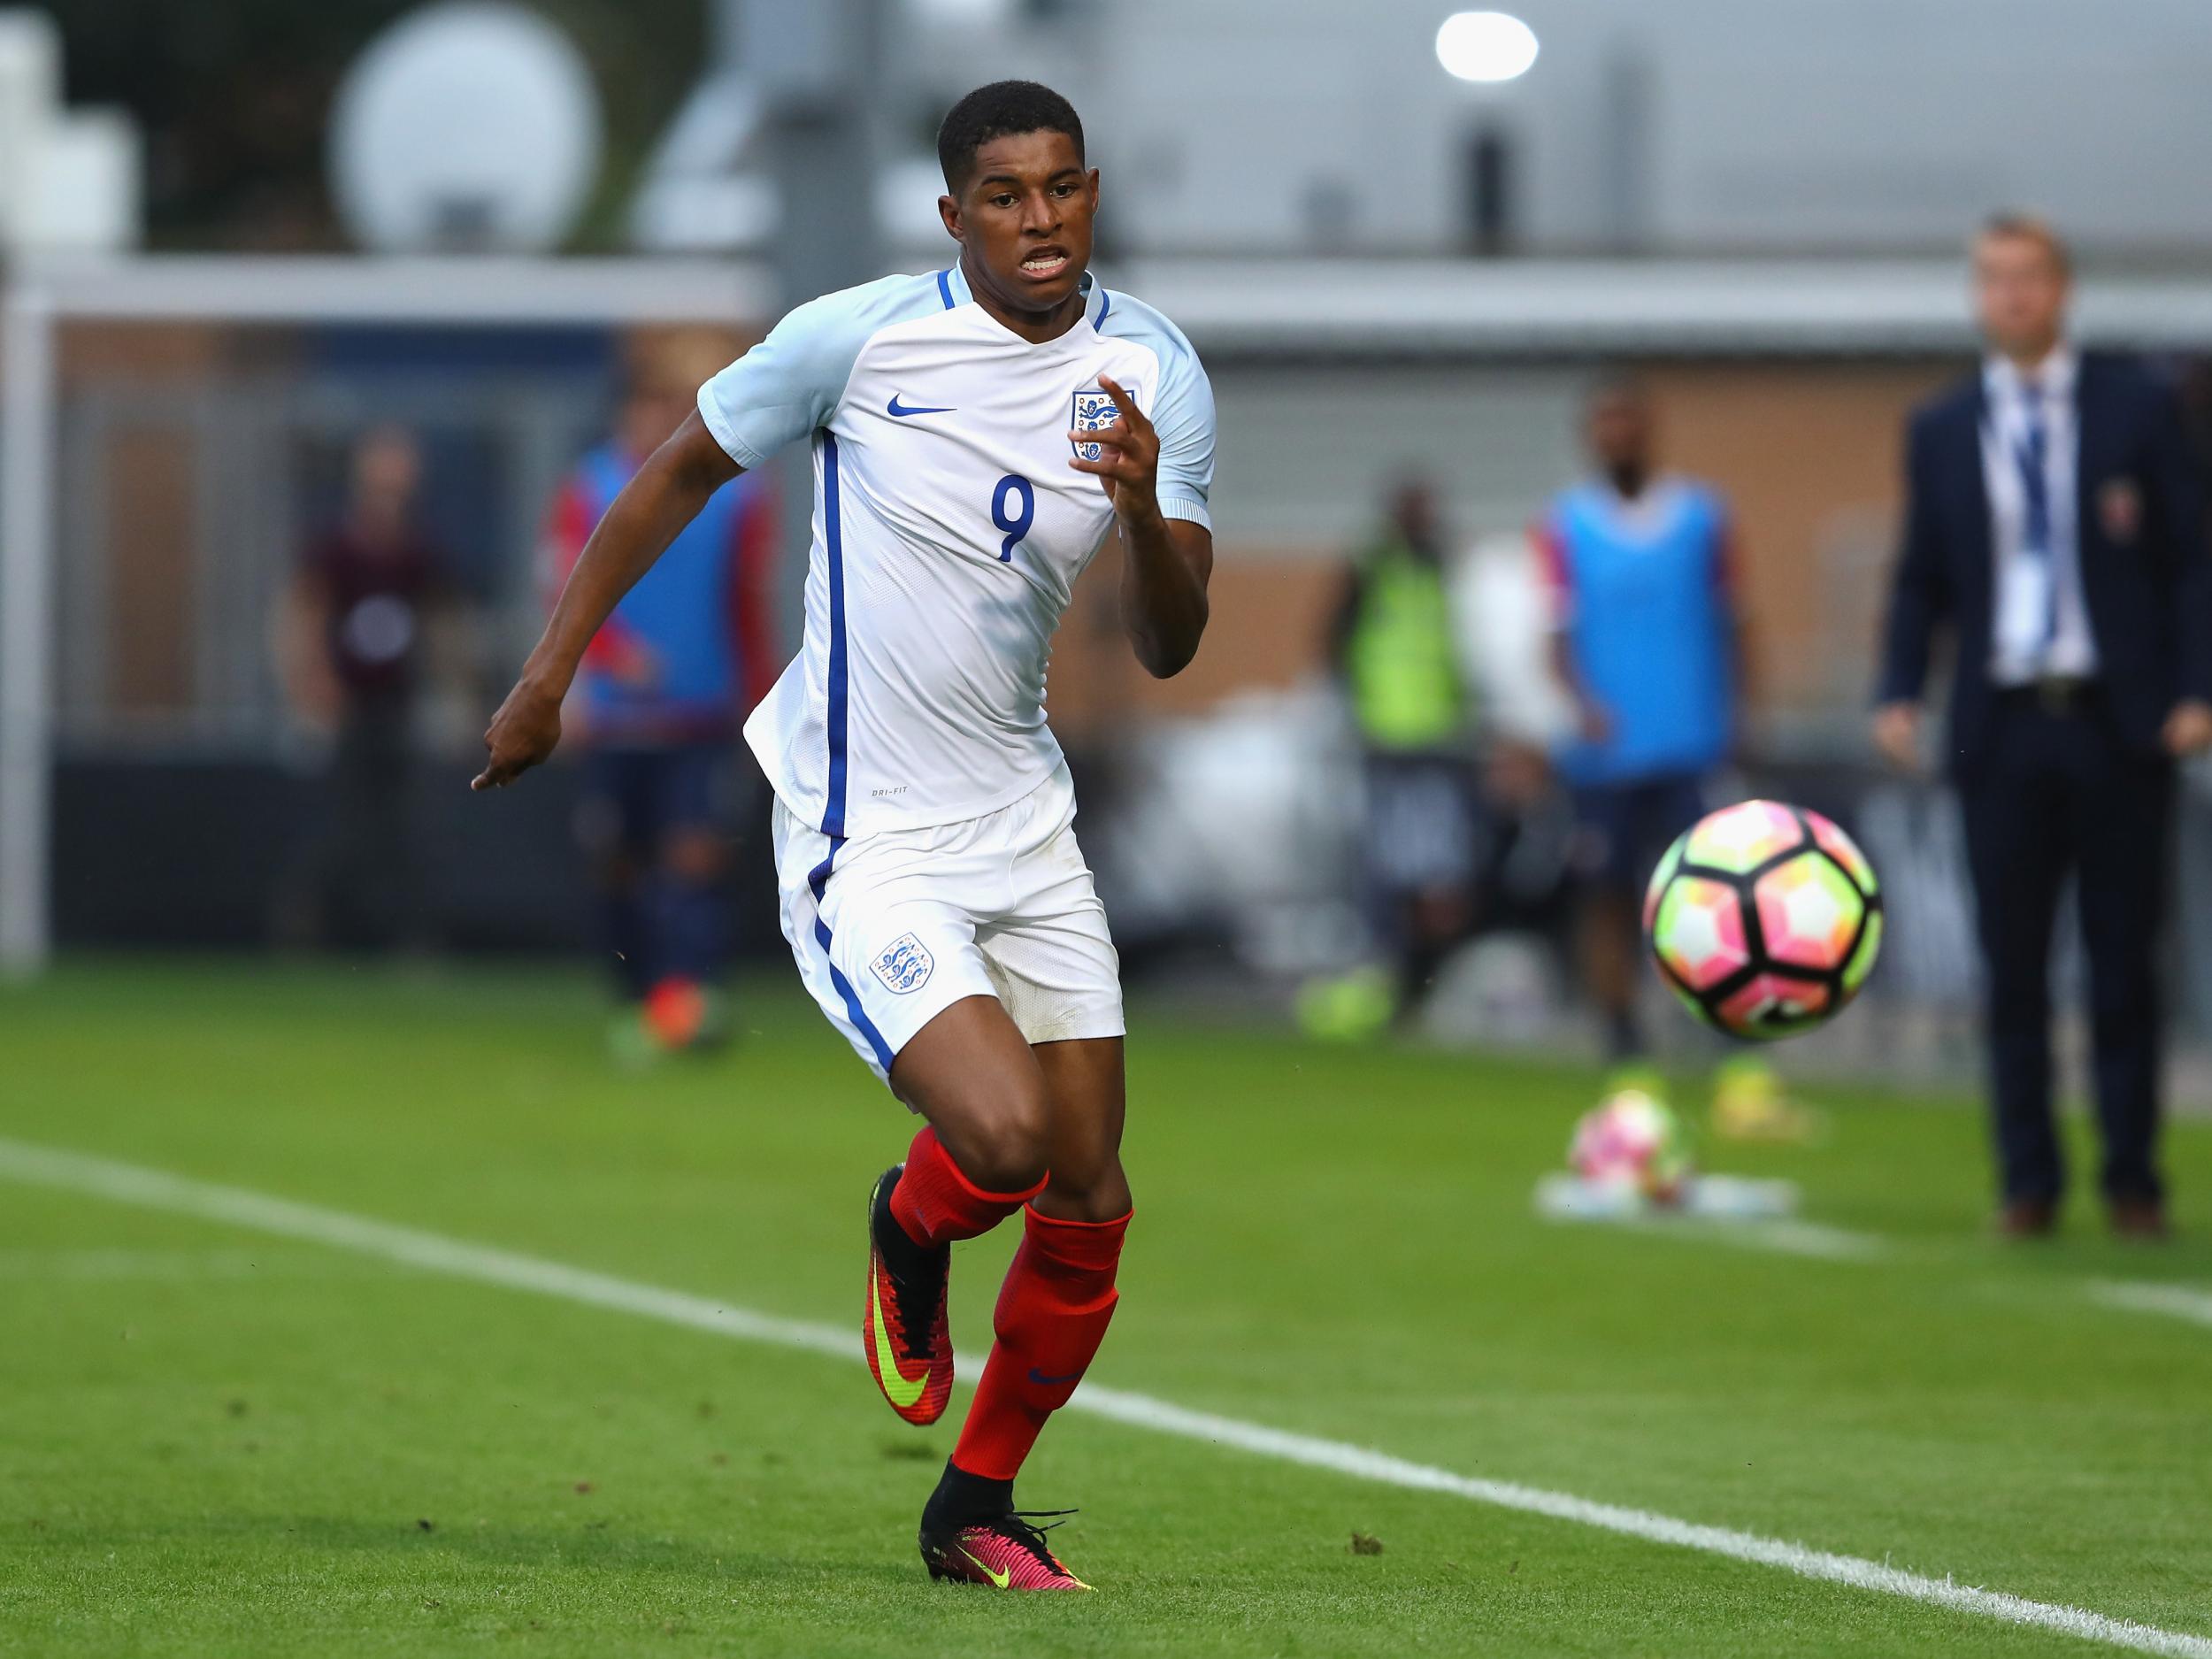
x=1013, y=486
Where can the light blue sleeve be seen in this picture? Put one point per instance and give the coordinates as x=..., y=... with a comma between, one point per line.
x=1182, y=414
x=789, y=384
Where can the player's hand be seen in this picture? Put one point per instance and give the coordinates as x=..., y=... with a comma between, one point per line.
x=2188, y=728
x=522, y=733
x=1129, y=461
x=1593, y=721
x=1897, y=734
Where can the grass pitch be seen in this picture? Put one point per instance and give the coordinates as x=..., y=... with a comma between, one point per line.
x=213, y=1441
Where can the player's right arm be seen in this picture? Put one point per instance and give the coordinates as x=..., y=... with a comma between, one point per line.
x=665, y=495
x=783, y=389
x=1593, y=721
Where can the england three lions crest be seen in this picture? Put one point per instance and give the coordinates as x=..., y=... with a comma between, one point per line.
x=1095, y=412
x=905, y=966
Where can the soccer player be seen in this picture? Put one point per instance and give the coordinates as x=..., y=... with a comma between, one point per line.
x=1395, y=649
x=657, y=702
x=1647, y=643
x=977, y=431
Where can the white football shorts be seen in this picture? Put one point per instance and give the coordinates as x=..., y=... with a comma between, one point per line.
x=891, y=929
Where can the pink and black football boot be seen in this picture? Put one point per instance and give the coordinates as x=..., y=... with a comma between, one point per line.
x=902, y=1326
x=1006, y=1553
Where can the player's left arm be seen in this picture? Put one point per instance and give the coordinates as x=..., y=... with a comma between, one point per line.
x=1169, y=556
x=2180, y=506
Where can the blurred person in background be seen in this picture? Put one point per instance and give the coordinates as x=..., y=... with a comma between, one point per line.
x=1648, y=642
x=2055, y=530
x=656, y=708
x=353, y=631
x=1394, y=650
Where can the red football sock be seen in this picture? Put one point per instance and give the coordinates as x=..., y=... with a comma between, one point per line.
x=936, y=1203
x=1052, y=1315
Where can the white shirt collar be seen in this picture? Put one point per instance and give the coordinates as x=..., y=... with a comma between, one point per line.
x=2054, y=376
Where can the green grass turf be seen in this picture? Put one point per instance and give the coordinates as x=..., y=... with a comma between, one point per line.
x=216, y=1442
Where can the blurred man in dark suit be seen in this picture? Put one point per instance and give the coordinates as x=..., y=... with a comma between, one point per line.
x=2055, y=530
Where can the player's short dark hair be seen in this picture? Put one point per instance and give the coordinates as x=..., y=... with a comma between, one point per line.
x=1001, y=109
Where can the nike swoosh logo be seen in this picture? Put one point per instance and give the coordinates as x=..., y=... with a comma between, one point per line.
x=901, y=1392
x=1002, y=1577
x=900, y=412
x=1043, y=1381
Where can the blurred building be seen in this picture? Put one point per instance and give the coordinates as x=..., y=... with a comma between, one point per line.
x=1701, y=126
x=1696, y=127
x=1644, y=181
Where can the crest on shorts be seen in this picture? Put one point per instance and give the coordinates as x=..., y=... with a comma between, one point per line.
x=905, y=966
x=1095, y=412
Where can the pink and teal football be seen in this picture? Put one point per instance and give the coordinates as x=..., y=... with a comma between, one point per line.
x=1764, y=920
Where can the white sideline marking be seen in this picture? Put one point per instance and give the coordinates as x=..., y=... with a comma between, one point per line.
x=1787, y=1237
x=156, y=1189
x=2176, y=1301
x=1815, y=1237
x=177, y=1265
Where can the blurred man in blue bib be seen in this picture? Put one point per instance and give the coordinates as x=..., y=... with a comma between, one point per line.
x=1647, y=643
x=657, y=705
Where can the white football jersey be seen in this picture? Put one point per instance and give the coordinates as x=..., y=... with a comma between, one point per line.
x=948, y=532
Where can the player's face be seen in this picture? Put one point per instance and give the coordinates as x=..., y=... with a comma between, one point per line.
x=2020, y=293
x=1024, y=219
x=1620, y=432
x=1413, y=509
x=387, y=471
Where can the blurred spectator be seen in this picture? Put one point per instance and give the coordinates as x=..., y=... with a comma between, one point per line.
x=1648, y=642
x=656, y=709
x=350, y=640
x=2054, y=528
x=1394, y=648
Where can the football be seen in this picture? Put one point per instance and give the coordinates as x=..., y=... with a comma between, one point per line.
x=1764, y=920
x=1631, y=1140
